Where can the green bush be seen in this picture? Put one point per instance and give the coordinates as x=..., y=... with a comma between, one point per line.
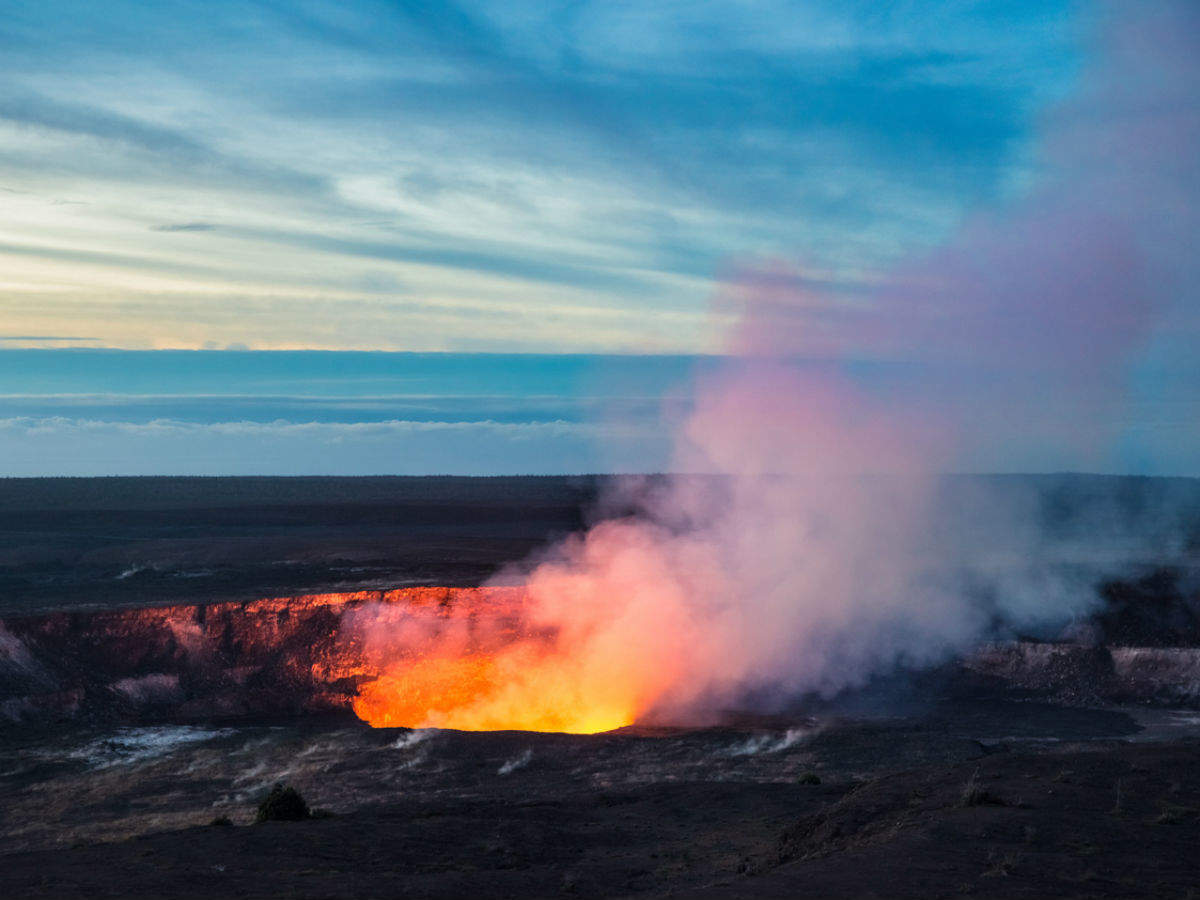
x=282, y=804
x=809, y=778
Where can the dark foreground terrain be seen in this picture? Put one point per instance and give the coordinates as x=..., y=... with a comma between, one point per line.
x=1021, y=800
x=149, y=700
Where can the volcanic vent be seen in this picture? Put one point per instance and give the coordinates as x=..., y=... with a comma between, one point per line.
x=463, y=658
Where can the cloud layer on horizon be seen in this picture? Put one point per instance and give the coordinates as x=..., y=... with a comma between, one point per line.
x=83, y=447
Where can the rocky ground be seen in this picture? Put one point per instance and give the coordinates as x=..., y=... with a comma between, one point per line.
x=1006, y=799
x=150, y=698
x=106, y=543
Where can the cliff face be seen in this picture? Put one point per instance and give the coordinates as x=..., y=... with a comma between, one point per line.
x=271, y=657
x=309, y=654
x=1086, y=675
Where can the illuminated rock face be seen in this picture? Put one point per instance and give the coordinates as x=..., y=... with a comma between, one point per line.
x=280, y=656
x=463, y=658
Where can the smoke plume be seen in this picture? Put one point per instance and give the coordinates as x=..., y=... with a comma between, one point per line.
x=810, y=548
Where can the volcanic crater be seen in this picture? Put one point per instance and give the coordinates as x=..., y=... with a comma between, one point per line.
x=130, y=724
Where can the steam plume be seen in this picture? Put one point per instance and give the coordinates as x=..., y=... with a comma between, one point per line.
x=804, y=556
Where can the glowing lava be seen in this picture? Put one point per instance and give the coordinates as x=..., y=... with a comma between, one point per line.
x=588, y=644
x=524, y=687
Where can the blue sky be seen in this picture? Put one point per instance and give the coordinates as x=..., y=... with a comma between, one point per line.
x=494, y=176
x=585, y=181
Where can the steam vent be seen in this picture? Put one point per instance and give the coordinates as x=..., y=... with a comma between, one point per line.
x=438, y=657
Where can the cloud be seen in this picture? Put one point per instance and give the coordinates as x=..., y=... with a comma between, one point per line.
x=57, y=445
x=472, y=153
x=185, y=226
x=522, y=177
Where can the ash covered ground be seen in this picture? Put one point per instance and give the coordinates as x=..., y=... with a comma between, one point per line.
x=72, y=543
x=1060, y=764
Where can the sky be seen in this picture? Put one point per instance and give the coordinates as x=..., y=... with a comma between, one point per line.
x=499, y=176
x=588, y=181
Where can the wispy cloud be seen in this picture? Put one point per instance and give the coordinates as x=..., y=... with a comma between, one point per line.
x=602, y=157
x=184, y=226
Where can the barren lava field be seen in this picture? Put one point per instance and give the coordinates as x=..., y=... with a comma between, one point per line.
x=172, y=648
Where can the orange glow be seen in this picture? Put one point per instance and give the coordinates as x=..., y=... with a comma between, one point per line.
x=582, y=648
x=524, y=687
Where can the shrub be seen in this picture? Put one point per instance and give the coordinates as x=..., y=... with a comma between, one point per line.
x=282, y=804
x=809, y=778
x=975, y=794
x=1172, y=814
x=221, y=822
x=1002, y=865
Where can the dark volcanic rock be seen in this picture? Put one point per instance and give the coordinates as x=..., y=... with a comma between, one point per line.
x=113, y=542
x=1106, y=821
x=1160, y=609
